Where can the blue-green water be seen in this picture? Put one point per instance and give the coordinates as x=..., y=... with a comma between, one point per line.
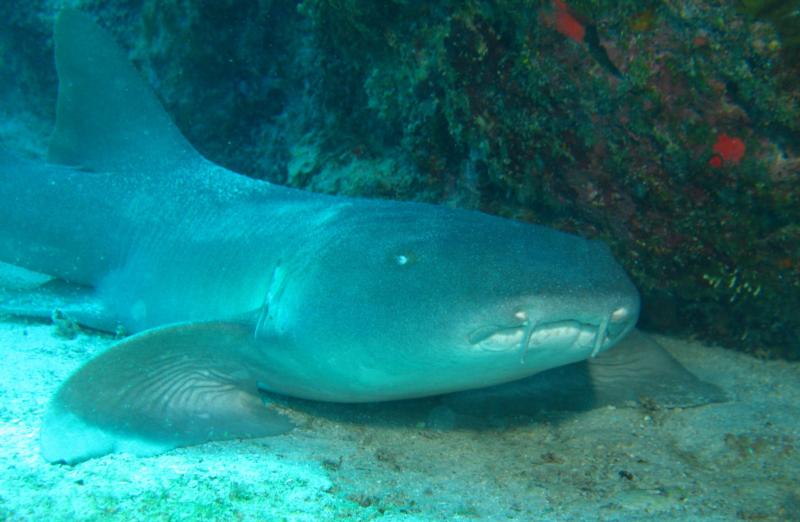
x=447, y=103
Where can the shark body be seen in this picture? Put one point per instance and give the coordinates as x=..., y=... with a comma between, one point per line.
x=234, y=286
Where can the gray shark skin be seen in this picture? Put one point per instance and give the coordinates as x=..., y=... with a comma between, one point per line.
x=232, y=286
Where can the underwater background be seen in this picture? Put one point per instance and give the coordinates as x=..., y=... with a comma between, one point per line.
x=668, y=129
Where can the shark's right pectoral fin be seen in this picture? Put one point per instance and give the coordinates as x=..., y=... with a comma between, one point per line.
x=168, y=387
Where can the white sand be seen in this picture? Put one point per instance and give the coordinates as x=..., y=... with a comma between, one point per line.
x=736, y=460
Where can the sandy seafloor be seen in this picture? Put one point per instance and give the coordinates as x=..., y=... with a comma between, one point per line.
x=737, y=460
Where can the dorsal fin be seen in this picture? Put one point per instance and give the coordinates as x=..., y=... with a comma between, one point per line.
x=108, y=119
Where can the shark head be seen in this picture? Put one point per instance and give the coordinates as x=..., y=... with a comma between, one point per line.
x=401, y=300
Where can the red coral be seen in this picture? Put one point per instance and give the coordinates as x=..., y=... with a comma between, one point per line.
x=727, y=150
x=566, y=23
x=715, y=161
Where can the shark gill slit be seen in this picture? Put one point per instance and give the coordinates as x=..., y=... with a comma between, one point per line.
x=263, y=312
x=275, y=288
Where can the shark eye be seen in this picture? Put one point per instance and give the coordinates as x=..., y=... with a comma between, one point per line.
x=405, y=258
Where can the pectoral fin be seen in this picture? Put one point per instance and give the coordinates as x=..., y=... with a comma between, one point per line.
x=168, y=387
x=638, y=369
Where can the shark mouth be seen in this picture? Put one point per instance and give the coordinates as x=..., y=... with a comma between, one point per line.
x=529, y=335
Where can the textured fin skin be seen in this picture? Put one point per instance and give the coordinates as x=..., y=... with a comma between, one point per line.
x=172, y=386
x=640, y=369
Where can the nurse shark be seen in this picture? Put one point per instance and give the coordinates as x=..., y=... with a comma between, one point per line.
x=233, y=287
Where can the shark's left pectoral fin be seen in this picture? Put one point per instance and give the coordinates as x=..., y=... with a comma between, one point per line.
x=172, y=386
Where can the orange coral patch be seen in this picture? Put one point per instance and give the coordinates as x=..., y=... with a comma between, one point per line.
x=566, y=23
